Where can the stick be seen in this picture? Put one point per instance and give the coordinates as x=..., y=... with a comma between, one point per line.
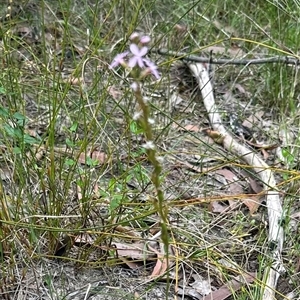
x=222, y=61
x=275, y=213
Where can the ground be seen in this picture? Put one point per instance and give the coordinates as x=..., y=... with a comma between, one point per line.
x=79, y=214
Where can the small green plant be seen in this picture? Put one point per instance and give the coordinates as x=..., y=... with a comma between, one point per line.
x=14, y=128
x=139, y=67
x=289, y=161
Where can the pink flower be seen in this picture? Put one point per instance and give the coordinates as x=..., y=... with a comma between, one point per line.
x=137, y=58
x=134, y=37
x=152, y=68
x=145, y=39
x=134, y=86
x=118, y=60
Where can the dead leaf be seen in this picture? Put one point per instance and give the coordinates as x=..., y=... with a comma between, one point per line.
x=115, y=92
x=131, y=264
x=217, y=207
x=101, y=157
x=201, y=285
x=190, y=127
x=133, y=250
x=74, y=80
x=235, y=187
x=253, y=203
x=162, y=263
x=188, y=291
x=232, y=286
x=265, y=154
x=253, y=119
x=240, y=88
x=181, y=28
x=193, y=128
x=256, y=188
x=129, y=231
x=215, y=135
x=79, y=194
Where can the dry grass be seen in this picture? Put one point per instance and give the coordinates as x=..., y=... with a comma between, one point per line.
x=75, y=180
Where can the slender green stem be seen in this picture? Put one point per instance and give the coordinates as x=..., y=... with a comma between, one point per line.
x=145, y=123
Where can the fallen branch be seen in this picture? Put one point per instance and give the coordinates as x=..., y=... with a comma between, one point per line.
x=289, y=60
x=275, y=213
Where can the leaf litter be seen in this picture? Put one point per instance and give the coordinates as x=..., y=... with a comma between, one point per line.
x=204, y=188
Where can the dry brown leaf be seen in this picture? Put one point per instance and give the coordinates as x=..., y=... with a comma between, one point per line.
x=236, y=189
x=181, y=28
x=134, y=250
x=229, y=175
x=131, y=264
x=201, y=285
x=252, y=119
x=217, y=207
x=190, y=127
x=265, y=154
x=256, y=188
x=193, y=128
x=215, y=135
x=162, y=263
x=253, y=203
x=115, y=92
x=240, y=88
x=232, y=286
x=234, y=186
x=79, y=194
x=74, y=80
x=101, y=157
x=160, y=267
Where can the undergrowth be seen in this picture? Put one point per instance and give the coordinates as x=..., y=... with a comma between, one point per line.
x=76, y=178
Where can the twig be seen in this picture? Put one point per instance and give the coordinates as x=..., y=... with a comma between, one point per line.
x=275, y=213
x=221, y=61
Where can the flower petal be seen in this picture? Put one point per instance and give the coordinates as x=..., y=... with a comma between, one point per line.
x=119, y=58
x=145, y=39
x=133, y=61
x=143, y=51
x=134, y=36
x=152, y=68
x=140, y=62
x=134, y=49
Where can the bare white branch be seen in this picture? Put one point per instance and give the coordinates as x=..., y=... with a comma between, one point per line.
x=275, y=212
